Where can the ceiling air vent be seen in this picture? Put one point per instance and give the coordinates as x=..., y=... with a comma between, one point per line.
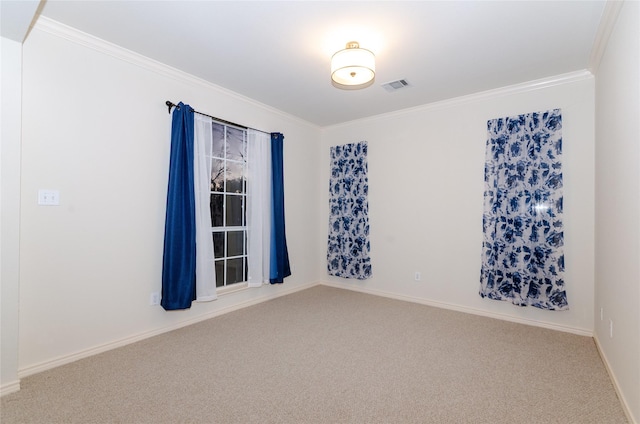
x=395, y=85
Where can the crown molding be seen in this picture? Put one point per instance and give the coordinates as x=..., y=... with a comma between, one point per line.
x=607, y=23
x=509, y=90
x=84, y=39
x=78, y=37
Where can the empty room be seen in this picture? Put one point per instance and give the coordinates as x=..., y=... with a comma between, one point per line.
x=320, y=211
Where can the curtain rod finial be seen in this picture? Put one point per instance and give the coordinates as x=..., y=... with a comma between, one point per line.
x=169, y=105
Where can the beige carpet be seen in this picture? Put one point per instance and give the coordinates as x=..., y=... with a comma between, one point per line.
x=325, y=355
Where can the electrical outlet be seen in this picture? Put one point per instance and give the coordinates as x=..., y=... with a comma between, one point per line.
x=417, y=276
x=154, y=299
x=610, y=328
x=601, y=314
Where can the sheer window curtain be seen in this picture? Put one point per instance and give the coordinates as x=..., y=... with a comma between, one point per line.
x=258, y=206
x=205, y=271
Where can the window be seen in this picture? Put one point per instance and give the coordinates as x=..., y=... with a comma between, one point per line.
x=228, y=200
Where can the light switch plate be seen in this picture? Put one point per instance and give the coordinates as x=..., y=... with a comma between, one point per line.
x=48, y=197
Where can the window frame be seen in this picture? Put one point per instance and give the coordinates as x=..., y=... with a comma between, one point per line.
x=225, y=158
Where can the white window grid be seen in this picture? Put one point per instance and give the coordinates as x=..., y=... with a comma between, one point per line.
x=226, y=229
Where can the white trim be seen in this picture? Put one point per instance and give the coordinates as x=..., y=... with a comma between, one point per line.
x=66, y=359
x=509, y=90
x=607, y=23
x=232, y=288
x=465, y=309
x=81, y=38
x=76, y=36
x=9, y=388
x=616, y=385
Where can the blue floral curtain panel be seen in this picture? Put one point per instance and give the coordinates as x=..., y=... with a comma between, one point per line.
x=348, y=245
x=522, y=255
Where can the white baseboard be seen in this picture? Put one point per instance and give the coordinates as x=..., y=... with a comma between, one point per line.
x=460, y=308
x=8, y=388
x=616, y=386
x=62, y=360
x=66, y=359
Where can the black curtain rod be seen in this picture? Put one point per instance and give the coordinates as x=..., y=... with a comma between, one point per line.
x=170, y=104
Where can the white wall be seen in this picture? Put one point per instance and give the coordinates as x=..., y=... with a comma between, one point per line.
x=617, y=279
x=10, y=89
x=96, y=128
x=426, y=198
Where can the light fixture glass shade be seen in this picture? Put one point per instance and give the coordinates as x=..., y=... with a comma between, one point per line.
x=353, y=67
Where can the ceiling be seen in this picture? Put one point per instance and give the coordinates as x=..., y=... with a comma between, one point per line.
x=279, y=52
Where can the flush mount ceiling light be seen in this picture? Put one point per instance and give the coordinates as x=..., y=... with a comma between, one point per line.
x=353, y=68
